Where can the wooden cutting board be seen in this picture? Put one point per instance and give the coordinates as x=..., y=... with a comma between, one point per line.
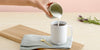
x=16, y=34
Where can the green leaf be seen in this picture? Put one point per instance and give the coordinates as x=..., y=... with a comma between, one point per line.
x=85, y=21
x=79, y=18
x=89, y=18
x=95, y=21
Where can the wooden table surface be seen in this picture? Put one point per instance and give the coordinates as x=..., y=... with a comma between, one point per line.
x=87, y=34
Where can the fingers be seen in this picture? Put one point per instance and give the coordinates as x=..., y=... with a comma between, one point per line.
x=45, y=2
x=33, y=1
x=44, y=8
x=42, y=4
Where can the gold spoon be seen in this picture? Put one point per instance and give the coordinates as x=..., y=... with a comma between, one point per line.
x=43, y=40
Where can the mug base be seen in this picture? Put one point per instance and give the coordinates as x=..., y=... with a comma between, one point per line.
x=58, y=43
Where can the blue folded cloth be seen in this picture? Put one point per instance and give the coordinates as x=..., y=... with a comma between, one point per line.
x=30, y=42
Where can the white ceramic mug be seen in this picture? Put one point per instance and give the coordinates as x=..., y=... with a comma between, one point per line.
x=59, y=34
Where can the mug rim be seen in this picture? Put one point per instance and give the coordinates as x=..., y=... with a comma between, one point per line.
x=55, y=22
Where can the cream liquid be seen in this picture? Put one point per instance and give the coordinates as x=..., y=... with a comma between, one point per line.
x=58, y=15
x=59, y=21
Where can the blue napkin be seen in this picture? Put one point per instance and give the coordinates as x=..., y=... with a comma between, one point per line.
x=30, y=42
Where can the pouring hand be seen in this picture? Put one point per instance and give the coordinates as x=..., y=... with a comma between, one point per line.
x=41, y=4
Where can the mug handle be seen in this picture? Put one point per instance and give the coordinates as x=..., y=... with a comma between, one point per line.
x=70, y=30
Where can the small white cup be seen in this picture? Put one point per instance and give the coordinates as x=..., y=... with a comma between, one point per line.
x=59, y=34
x=55, y=9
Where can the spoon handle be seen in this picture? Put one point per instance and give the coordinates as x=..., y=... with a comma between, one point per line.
x=47, y=43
